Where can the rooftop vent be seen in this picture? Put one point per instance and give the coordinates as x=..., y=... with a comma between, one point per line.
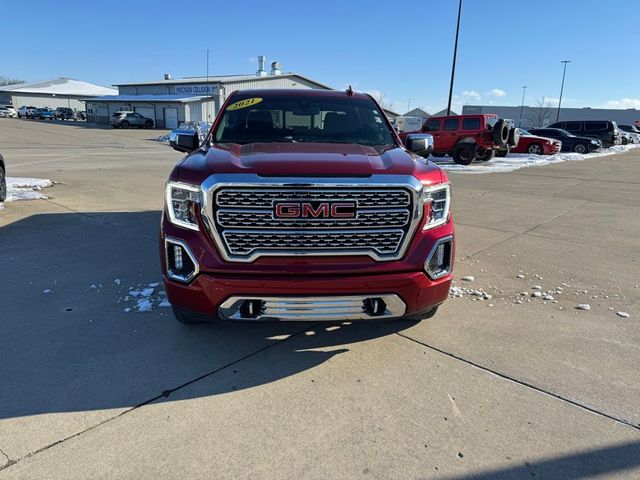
x=167, y=76
x=275, y=69
x=261, y=71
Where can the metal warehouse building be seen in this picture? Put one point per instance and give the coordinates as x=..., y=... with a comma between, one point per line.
x=172, y=101
x=60, y=92
x=533, y=117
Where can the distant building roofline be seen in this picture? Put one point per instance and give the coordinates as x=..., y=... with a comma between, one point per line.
x=221, y=79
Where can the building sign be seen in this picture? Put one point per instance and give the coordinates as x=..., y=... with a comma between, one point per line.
x=196, y=89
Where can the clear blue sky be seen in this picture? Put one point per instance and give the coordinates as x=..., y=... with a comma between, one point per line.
x=401, y=48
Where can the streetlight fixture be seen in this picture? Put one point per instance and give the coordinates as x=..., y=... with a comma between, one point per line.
x=455, y=53
x=524, y=89
x=564, y=72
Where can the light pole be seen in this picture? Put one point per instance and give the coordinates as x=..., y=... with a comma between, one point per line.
x=455, y=53
x=524, y=89
x=564, y=72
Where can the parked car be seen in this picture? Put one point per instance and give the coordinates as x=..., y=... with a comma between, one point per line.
x=530, y=143
x=631, y=130
x=625, y=138
x=470, y=137
x=604, y=130
x=570, y=142
x=127, y=119
x=3, y=180
x=26, y=112
x=44, y=114
x=320, y=221
x=5, y=112
x=65, y=113
x=8, y=111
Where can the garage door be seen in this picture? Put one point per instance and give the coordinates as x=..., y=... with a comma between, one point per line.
x=148, y=112
x=170, y=118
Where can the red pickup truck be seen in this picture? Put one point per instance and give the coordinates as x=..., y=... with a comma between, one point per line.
x=305, y=205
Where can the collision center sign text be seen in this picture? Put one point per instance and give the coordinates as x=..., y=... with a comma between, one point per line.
x=197, y=89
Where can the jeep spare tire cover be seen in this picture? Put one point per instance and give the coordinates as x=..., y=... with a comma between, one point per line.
x=514, y=137
x=501, y=133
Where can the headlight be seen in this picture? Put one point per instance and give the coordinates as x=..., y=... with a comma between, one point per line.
x=183, y=204
x=436, y=200
x=595, y=142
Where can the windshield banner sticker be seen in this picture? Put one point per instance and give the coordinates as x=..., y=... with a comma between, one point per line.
x=247, y=102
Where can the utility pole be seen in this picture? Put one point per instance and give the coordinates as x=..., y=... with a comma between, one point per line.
x=409, y=105
x=206, y=107
x=524, y=89
x=564, y=72
x=455, y=53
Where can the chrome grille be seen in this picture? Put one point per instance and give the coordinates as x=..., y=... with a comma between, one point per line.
x=244, y=242
x=229, y=218
x=243, y=197
x=241, y=214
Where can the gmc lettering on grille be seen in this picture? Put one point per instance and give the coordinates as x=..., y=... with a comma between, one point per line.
x=314, y=210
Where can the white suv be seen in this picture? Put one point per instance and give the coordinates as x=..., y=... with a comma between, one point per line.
x=27, y=112
x=8, y=111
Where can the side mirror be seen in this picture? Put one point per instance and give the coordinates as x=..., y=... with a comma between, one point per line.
x=184, y=140
x=420, y=143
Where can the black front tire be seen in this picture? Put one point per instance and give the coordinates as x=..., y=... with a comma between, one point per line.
x=191, y=318
x=3, y=186
x=124, y=124
x=487, y=155
x=465, y=153
x=416, y=317
x=148, y=125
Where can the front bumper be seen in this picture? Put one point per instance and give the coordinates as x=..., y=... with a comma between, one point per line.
x=214, y=295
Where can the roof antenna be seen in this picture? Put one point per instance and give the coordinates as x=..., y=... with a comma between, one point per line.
x=350, y=91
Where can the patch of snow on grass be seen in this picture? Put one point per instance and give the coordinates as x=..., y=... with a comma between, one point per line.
x=26, y=188
x=515, y=161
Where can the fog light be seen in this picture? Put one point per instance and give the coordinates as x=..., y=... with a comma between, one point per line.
x=177, y=257
x=181, y=263
x=440, y=255
x=439, y=261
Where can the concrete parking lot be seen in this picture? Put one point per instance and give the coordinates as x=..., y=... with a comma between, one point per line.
x=509, y=387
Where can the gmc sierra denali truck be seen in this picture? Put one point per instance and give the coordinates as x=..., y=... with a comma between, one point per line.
x=305, y=205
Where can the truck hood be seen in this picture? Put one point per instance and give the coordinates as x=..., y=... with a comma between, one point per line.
x=304, y=159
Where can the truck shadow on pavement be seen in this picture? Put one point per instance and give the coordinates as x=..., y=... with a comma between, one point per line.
x=68, y=345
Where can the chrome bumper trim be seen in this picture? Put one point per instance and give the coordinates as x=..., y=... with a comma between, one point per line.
x=312, y=309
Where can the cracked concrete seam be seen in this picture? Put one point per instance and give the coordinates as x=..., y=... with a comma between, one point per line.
x=164, y=394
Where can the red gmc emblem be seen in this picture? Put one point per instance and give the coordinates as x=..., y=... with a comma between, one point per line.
x=344, y=209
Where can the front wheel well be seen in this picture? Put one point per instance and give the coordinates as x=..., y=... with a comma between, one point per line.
x=466, y=140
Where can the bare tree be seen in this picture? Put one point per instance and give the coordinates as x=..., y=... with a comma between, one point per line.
x=4, y=81
x=382, y=99
x=539, y=115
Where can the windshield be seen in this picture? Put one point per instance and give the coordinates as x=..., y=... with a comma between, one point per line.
x=525, y=133
x=283, y=118
x=565, y=133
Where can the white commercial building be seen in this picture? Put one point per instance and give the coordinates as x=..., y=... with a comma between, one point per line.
x=535, y=117
x=60, y=92
x=170, y=101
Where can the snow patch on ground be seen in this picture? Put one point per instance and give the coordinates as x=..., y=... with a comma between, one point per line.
x=144, y=297
x=26, y=188
x=515, y=161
